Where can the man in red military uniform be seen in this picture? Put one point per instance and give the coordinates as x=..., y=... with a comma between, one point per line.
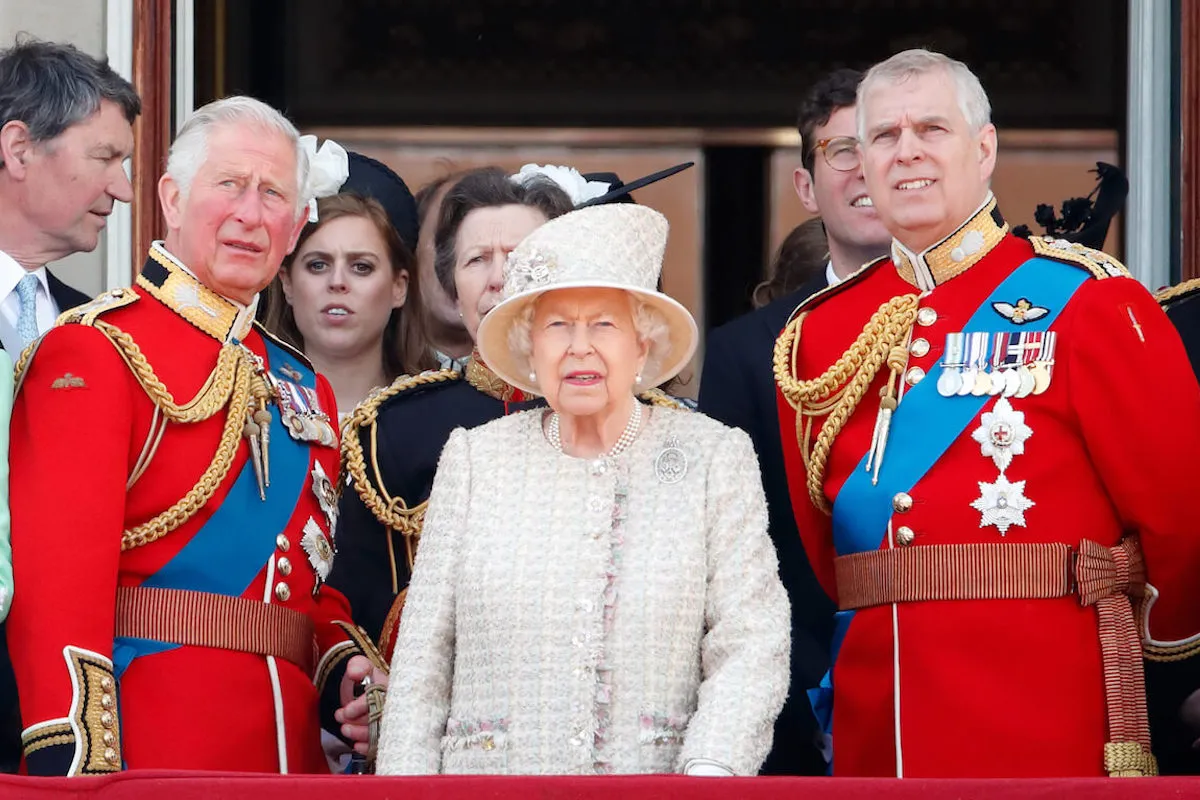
x=974, y=435
x=172, y=612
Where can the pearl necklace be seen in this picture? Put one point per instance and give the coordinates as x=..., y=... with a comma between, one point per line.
x=627, y=436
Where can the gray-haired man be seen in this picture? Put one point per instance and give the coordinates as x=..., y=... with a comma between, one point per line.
x=65, y=132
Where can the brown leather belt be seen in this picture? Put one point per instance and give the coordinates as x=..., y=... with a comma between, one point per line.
x=1101, y=576
x=204, y=619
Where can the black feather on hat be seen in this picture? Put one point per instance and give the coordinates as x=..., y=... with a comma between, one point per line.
x=1085, y=220
x=370, y=178
x=619, y=192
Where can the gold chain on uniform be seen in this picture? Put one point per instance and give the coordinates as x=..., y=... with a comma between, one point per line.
x=838, y=391
x=232, y=385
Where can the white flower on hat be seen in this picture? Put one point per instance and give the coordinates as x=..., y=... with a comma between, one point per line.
x=328, y=169
x=577, y=187
x=528, y=271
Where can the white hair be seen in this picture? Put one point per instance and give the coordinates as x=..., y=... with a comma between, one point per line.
x=190, y=147
x=650, y=324
x=972, y=99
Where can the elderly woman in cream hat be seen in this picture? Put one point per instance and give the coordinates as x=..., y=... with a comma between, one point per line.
x=595, y=590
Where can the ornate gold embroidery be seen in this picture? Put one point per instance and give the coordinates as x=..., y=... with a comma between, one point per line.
x=190, y=299
x=329, y=662
x=486, y=381
x=657, y=397
x=1099, y=263
x=94, y=718
x=363, y=644
x=47, y=734
x=959, y=251
x=1169, y=295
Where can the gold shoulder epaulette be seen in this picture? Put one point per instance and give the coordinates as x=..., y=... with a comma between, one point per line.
x=108, y=301
x=85, y=314
x=391, y=512
x=816, y=298
x=1097, y=262
x=657, y=397
x=1178, y=292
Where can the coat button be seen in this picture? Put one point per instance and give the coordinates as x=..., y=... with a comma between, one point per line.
x=283, y=591
x=919, y=348
x=926, y=316
x=107, y=702
x=106, y=684
x=284, y=566
x=107, y=719
x=914, y=376
x=905, y=535
x=109, y=738
x=282, y=542
x=111, y=756
x=902, y=503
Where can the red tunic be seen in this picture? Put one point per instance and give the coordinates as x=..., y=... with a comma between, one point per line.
x=1006, y=687
x=80, y=425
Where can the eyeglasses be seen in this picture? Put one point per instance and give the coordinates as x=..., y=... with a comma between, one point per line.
x=841, y=152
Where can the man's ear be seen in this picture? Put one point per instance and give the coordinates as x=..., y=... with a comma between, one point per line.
x=802, y=182
x=15, y=145
x=170, y=199
x=987, y=151
x=285, y=280
x=300, y=223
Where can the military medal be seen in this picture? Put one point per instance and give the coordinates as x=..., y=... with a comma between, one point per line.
x=968, y=372
x=319, y=552
x=976, y=380
x=1002, y=433
x=999, y=350
x=1031, y=343
x=301, y=411
x=1044, y=364
x=952, y=361
x=1002, y=503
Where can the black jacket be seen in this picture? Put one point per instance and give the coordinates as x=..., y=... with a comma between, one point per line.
x=738, y=388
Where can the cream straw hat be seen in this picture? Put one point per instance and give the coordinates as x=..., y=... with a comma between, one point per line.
x=616, y=246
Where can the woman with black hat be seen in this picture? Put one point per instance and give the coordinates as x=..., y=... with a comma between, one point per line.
x=348, y=296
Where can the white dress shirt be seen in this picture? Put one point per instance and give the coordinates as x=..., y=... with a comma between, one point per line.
x=10, y=308
x=831, y=277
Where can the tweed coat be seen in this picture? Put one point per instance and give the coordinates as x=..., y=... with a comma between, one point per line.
x=582, y=616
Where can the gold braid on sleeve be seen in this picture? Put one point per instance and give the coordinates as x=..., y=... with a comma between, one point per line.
x=391, y=512
x=837, y=392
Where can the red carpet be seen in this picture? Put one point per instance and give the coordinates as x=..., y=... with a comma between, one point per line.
x=201, y=786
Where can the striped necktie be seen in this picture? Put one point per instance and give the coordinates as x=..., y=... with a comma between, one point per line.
x=27, y=327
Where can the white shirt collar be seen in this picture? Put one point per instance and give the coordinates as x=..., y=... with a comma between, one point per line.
x=11, y=273
x=831, y=277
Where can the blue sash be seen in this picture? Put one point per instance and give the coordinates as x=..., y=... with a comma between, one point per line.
x=237, y=541
x=925, y=424
x=923, y=428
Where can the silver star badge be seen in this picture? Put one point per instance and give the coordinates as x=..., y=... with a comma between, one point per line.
x=1002, y=433
x=1002, y=504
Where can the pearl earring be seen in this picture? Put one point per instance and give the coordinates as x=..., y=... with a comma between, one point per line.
x=638, y=379
x=532, y=376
